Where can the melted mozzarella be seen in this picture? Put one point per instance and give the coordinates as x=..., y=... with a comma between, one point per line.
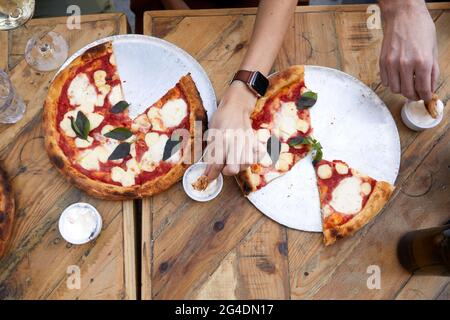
x=89, y=160
x=125, y=178
x=266, y=161
x=82, y=93
x=341, y=168
x=324, y=171
x=346, y=198
x=66, y=124
x=173, y=112
x=100, y=82
x=81, y=143
x=95, y=120
x=286, y=120
x=133, y=166
x=155, y=152
x=141, y=123
x=115, y=95
x=263, y=135
x=366, y=188
x=154, y=116
x=284, y=161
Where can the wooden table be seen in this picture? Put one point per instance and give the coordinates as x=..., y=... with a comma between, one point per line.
x=228, y=249
x=39, y=262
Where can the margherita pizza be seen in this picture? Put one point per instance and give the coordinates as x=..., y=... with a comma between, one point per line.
x=93, y=142
x=280, y=118
x=348, y=199
x=6, y=212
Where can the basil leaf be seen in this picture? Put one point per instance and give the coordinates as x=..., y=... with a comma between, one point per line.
x=121, y=151
x=119, y=107
x=317, y=152
x=274, y=148
x=307, y=100
x=74, y=127
x=119, y=134
x=300, y=140
x=81, y=125
x=172, y=146
x=318, y=156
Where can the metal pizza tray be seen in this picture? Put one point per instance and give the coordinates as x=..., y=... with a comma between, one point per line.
x=149, y=67
x=352, y=124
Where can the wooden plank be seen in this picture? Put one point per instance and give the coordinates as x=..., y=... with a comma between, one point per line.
x=147, y=249
x=129, y=244
x=4, y=50
x=252, y=11
x=197, y=239
x=38, y=265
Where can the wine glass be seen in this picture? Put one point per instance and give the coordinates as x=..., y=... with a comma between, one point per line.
x=44, y=51
x=12, y=107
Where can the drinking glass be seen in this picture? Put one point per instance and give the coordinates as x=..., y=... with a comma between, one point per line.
x=44, y=51
x=12, y=107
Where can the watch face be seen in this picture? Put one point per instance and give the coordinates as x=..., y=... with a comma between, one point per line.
x=260, y=83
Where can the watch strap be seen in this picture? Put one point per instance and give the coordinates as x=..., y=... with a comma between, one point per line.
x=244, y=76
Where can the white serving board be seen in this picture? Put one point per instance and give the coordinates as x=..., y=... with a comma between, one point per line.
x=352, y=124
x=148, y=67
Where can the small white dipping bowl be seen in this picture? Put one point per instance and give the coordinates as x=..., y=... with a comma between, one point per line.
x=64, y=228
x=410, y=122
x=192, y=174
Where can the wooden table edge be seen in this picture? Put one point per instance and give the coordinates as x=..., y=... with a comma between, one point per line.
x=251, y=11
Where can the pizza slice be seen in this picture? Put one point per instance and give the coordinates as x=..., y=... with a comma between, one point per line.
x=348, y=199
x=281, y=119
x=6, y=212
x=92, y=140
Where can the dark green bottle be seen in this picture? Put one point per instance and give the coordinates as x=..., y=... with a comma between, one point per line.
x=426, y=251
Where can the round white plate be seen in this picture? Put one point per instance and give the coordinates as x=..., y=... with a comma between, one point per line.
x=149, y=67
x=353, y=125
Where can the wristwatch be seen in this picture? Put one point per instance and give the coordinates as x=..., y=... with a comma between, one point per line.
x=255, y=81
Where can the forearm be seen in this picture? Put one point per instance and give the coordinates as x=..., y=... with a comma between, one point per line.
x=390, y=8
x=272, y=22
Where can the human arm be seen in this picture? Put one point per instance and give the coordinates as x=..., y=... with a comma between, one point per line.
x=409, y=55
x=237, y=103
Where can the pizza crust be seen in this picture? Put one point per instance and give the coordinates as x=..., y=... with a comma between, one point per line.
x=7, y=209
x=380, y=196
x=278, y=81
x=98, y=188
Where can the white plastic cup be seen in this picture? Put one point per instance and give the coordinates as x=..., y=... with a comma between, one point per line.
x=64, y=229
x=201, y=166
x=408, y=119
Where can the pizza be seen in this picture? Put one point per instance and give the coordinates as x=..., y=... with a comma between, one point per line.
x=7, y=208
x=348, y=198
x=93, y=142
x=281, y=119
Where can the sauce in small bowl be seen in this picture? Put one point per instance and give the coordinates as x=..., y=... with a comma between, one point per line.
x=192, y=174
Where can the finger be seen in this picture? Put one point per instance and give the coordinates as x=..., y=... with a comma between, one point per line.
x=434, y=76
x=213, y=170
x=407, y=81
x=233, y=156
x=383, y=71
x=423, y=81
x=394, y=79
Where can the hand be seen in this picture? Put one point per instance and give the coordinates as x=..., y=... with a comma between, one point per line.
x=231, y=151
x=409, y=55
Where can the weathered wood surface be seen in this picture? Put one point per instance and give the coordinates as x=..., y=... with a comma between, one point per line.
x=38, y=260
x=226, y=248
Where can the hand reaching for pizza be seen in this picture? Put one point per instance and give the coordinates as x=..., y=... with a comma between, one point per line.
x=229, y=152
x=409, y=55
